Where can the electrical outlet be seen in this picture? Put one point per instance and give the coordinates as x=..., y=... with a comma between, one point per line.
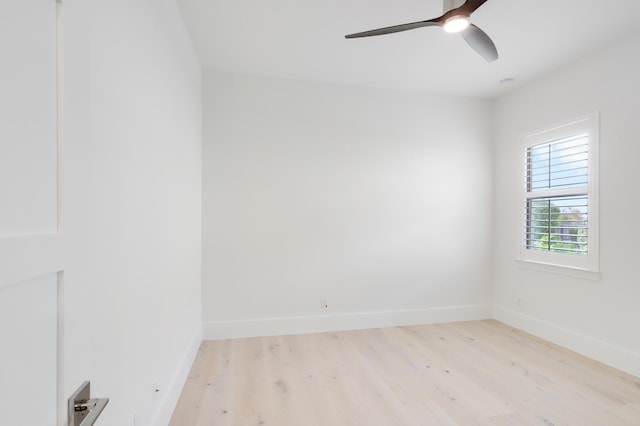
x=520, y=303
x=324, y=304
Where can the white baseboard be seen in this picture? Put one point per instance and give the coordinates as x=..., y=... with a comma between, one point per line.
x=216, y=330
x=172, y=393
x=599, y=350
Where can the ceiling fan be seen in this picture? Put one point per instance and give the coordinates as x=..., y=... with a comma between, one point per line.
x=456, y=17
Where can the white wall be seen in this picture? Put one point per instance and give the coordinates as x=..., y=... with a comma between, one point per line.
x=131, y=166
x=378, y=201
x=598, y=318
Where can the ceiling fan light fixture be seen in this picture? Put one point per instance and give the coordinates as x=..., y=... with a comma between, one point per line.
x=456, y=23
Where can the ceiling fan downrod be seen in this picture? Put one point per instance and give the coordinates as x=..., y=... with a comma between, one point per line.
x=448, y=5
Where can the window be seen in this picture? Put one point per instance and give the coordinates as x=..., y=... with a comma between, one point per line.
x=559, y=204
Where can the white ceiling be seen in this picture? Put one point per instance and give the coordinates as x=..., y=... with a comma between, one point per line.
x=303, y=39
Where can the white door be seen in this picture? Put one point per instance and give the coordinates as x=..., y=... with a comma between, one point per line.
x=31, y=251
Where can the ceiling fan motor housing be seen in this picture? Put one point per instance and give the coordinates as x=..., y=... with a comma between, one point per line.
x=448, y=5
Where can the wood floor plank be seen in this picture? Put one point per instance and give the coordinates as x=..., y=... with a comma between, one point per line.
x=469, y=373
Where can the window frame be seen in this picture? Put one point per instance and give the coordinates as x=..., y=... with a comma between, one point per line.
x=588, y=124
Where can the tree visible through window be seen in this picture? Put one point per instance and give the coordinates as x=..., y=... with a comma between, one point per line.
x=558, y=225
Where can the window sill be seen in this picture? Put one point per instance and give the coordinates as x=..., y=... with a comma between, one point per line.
x=566, y=271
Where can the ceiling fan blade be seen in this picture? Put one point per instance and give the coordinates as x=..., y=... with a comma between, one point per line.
x=395, y=28
x=480, y=42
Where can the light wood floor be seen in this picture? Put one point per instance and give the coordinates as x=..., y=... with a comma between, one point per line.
x=470, y=373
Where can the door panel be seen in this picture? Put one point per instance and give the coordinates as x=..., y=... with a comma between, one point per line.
x=28, y=326
x=31, y=253
x=28, y=175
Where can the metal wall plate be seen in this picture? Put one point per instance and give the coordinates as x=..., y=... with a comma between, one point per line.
x=81, y=409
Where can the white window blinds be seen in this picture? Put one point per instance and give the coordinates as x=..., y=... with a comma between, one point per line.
x=559, y=203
